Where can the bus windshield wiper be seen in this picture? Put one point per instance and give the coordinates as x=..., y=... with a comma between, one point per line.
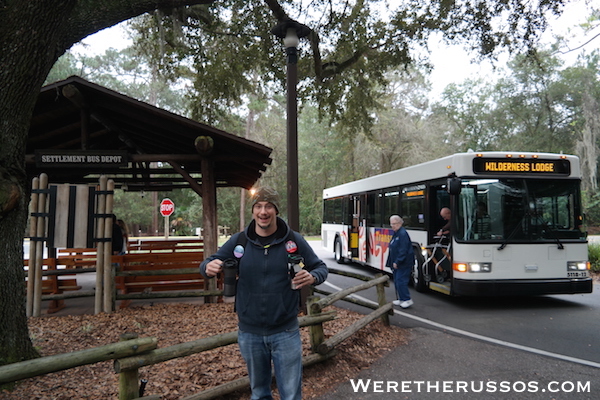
x=556, y=238
x=512, y=233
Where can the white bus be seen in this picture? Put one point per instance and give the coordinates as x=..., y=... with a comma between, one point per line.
x=516, y=223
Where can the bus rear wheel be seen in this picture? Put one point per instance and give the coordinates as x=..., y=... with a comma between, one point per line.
x=418, y=276
x=337, y=251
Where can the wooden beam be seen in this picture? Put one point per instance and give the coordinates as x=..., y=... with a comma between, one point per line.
x=72, y=93
x=85, y=128
x=193, y=183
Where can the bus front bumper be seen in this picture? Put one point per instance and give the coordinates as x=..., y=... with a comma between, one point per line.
x=461, y=287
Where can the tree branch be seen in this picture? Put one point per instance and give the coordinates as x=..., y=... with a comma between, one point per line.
x=328, y=69
x=580, y=46
x=88, y=18
x=278, y=11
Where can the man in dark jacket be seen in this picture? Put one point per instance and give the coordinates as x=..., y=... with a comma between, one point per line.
x=266, y=304
x=400, y=260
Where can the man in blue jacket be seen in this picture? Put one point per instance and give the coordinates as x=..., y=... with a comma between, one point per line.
x=268, y=296
x=400, y=260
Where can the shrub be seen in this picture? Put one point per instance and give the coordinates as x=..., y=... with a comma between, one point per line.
x=594, y=256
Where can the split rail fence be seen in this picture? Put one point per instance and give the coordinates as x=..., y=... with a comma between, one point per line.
x=133, y=353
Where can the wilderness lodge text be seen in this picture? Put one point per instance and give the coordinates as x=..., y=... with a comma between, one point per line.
x=519, y=167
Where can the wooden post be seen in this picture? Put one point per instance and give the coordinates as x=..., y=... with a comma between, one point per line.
x=317, y=336
x=39, y=248
x=108, y=285
x=242, y=209
x=385, y=318
x=33, y=206
x=166, y=227
x=100, y=247
x=128, y=380
x=209, y=215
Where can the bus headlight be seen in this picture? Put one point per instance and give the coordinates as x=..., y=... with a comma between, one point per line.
x=577, y=265
x=472, y=267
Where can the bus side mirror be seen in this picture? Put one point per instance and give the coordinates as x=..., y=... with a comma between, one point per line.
x=454, y=186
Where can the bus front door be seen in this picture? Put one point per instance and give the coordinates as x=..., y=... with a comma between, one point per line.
x=354, y=242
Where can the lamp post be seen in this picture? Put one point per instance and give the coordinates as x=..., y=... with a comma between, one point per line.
x=291, y=32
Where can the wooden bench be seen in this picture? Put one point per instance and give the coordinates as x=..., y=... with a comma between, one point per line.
x=165, y=246
x=157, y=276
x=53, y=284
x=70, y=258
x=151, y=260
x=76, y=257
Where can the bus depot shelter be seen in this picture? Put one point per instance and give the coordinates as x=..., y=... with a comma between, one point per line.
x=81, y=131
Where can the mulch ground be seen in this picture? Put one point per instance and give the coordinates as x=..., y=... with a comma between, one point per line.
x=179, y=323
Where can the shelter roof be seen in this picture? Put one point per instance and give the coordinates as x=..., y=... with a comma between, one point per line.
x=77, y=117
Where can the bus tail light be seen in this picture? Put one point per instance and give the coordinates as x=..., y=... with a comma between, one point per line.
x=472, y=267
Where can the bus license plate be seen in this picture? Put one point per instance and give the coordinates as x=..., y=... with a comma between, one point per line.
x=578, y=274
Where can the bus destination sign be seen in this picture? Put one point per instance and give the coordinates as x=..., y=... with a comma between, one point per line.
x=521, y=166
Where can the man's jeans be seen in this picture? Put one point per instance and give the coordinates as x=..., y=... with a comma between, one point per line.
x=285, y=349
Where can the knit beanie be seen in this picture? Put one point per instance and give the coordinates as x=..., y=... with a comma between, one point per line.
x=266, y=194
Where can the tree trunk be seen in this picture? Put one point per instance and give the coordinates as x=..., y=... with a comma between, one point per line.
x=28, y=48
x=33, y=34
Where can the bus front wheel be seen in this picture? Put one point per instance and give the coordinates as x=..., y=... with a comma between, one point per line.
x=337, y=251
x=418, y=276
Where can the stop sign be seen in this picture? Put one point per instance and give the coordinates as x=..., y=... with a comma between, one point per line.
x=167, y=207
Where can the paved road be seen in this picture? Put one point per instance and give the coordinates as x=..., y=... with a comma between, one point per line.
x=438, y=365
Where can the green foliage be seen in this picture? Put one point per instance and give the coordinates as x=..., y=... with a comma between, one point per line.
x=128, y=72
x=228, y=208
x=591, y=205
x=535, y=106
x=523, y=111
x=594, y=256
x=67, y=65
x=343, y=62
x=133, y=208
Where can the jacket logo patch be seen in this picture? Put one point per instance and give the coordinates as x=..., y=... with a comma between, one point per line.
x=238, y=251
x=291, y=246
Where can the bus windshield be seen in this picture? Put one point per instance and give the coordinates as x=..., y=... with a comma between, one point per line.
x=519, y=210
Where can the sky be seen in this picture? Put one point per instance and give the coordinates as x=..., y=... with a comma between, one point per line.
x=452, y=64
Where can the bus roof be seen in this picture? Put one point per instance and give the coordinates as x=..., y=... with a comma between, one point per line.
x=460, y=164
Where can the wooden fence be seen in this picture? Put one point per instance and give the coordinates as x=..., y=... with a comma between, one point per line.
x=133, y=353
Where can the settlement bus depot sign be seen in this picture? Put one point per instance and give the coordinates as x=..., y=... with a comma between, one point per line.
x=80, y=158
